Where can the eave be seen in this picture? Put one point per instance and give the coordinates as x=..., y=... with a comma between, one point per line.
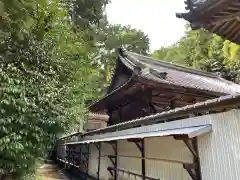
x=221, y=17
x=139, y=83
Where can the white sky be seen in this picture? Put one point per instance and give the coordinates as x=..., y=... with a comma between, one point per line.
x=155, y=17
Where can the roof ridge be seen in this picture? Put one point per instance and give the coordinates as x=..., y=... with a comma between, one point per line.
x=177, y=66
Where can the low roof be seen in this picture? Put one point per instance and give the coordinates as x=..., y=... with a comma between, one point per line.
x=189, y=132
x=229, y=101
x=217, y=16
x=221, y=102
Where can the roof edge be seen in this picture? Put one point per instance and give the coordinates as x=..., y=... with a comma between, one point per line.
x=112, y=93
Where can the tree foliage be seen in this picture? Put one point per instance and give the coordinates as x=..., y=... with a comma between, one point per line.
x=57, y=55
x=109, y=38
x=45, y=73
x=49, y=69
x=203, y=50
x=86, y=12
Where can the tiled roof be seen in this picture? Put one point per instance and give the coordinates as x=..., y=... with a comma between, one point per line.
x=178, y=75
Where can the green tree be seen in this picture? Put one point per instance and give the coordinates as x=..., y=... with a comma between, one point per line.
x=231, y=54
x=49, y=70
x=109, y=38
x=203, y=50
x=46, y=77
x=86, y=12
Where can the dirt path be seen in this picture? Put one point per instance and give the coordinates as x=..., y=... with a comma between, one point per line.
x=50, y=172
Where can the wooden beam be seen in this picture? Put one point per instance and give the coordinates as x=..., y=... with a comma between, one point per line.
x=191, y=148
x=153, y=108
x=130, y=173
x=171, y=89
x=223, y=19
x=222, y=27
x=153, y=159
x=233, y=8
x=230, y=27
x=213, y=27
x=237, y=34
x=216, y=6
x=190, y=169
x=233, y=31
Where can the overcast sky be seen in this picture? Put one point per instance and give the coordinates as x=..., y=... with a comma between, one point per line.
x=155, y=17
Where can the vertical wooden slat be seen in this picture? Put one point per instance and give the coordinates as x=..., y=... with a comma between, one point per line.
x=197, y=160
x=116, y=161
x=99, y=159
x=143, y=159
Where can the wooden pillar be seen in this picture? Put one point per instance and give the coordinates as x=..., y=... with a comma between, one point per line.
x=80, y=155
x=197, y=159
x=87, y=159
x=172, y=104
x=152, y=109
x=99, y=159
x=116, y=161
x=65, y=153
x=143, y=159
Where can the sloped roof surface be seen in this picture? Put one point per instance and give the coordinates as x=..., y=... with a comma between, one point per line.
x=139, y=133
x=178, y=75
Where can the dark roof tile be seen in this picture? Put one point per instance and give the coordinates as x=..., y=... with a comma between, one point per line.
x=179, y=75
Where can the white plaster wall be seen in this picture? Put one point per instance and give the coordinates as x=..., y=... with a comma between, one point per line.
x=166, y=148
x=106, y=149
x=126, y=148
x=159, y=147
x=93, y=161
x=219, y=151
